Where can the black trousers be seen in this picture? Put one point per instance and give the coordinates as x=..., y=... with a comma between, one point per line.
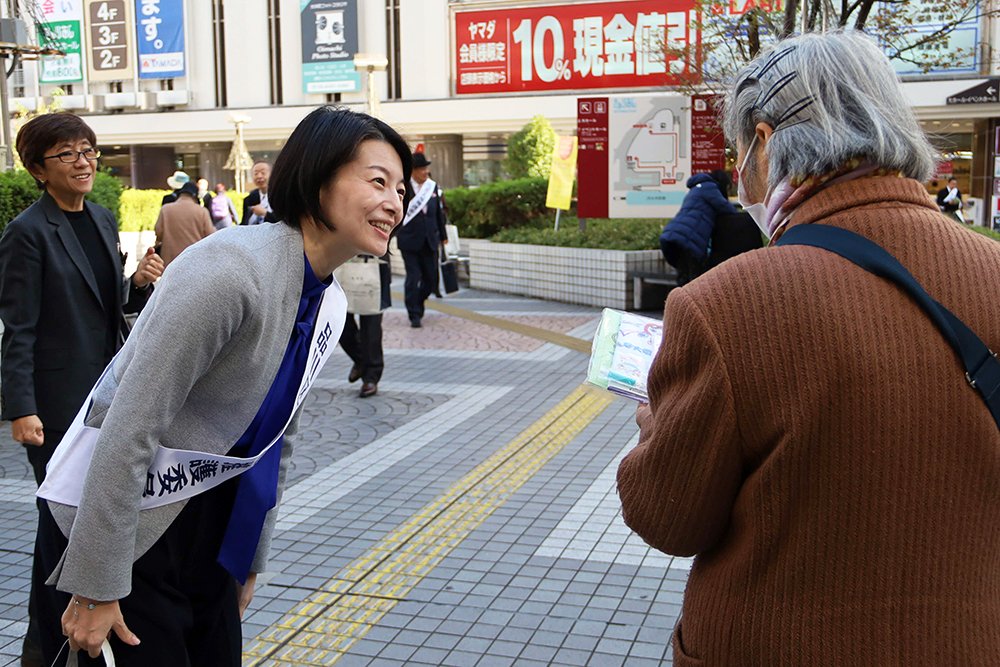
x=38, y=458
x=183, y=606
x=421, y=280
x=364, y=345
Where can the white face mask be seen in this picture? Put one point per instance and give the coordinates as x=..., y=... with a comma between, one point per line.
x=757, y=211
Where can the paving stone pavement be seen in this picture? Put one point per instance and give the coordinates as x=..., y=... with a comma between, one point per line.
x=530, y=563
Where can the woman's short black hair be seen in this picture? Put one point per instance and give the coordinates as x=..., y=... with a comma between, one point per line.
x=41, y=133
x=326, y=140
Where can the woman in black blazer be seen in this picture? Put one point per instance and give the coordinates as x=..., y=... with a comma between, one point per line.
x=62, y=289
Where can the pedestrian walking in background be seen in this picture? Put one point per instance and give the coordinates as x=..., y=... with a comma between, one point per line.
x=175, y=182
x=811, y=437
x=204, y=196
x=182, y=223
x=420, y=238
x=949, y=199
x=62, y=299
x=217, y=364
x=362, y=340
x=685, y=239
x=223, y=210
x=256, y=205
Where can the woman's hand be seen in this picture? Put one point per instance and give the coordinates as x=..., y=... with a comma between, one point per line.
x=88, y=628
x=244, y=592
x=150, y=268
x=258, y=209
x=643, y=414
x=28, y=430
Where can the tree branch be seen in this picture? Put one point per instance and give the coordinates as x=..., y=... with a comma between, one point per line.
x=788, y=27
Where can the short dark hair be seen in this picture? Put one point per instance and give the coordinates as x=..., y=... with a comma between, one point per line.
x=43, y=132
x=326, y=140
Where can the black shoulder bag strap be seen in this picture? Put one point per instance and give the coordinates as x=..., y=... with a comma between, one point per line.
x=982, y=369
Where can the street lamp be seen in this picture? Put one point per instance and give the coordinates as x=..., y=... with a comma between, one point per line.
x=239, y=158
x=371, y=63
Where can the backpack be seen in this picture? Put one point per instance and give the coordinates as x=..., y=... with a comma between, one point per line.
x=220, y=207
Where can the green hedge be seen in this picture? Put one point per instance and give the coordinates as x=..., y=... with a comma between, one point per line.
x=140, y=208
x=987, y=232
x=18, y=192
x=482, y=212
x=624, y=234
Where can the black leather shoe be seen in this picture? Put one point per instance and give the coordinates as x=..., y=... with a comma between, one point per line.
x=415, y=322
x=368, y=389
x=355, y=374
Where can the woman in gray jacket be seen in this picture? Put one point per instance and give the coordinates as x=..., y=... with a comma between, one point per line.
x=164, y=540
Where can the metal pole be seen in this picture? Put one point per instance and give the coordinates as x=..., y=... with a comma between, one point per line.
x=8, y=153
x=372, y=96
x=558, y=211
x=240, y=178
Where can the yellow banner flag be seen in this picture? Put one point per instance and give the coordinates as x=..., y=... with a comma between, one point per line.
x=562, y=174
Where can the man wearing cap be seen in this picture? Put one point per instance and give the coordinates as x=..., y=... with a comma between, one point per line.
x=182, y=223
x=175, y=182
x=420, y=237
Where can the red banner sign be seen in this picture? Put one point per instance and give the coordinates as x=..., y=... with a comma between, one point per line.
x=573, y=47
x=592, y=161
x=708, y=143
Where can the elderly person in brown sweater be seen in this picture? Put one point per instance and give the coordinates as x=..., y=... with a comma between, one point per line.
x=182, y=223
x=810, y=435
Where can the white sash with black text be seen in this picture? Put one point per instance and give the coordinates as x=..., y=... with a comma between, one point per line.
x=178, y=474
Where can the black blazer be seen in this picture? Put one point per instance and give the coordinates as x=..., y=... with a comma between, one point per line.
x=55, y=326
x=250, y=201
x=424, y=233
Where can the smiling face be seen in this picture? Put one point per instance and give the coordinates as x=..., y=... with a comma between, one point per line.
x=261, y=173
x=364, y=200
x=67, y=182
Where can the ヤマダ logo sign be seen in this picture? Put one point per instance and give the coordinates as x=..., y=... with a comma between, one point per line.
x=984, y=93
x=160, y=38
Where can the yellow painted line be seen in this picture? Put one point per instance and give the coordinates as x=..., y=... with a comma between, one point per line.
x=324, y=627
x=525, y=330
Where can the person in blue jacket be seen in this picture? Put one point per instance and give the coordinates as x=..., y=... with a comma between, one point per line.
x=685, y=239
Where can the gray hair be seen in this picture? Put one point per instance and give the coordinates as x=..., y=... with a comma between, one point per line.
x=830, y=98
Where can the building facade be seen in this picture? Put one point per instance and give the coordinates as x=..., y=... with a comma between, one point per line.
x=461, y=76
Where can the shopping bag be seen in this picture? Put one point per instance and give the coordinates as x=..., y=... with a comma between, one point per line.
x=360, y=281
x=449, y=273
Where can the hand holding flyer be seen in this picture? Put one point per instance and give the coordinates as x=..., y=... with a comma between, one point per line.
x=623, y=351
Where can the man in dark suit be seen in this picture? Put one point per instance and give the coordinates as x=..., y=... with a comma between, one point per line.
x=256, y=208
x=420, y=237
x=949, y=200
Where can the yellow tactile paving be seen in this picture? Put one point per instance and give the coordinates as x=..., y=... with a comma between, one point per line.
x=322, y=628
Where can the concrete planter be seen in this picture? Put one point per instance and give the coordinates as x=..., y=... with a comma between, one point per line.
x=572, y=275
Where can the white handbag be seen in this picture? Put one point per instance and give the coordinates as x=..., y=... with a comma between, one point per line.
x=362, y=284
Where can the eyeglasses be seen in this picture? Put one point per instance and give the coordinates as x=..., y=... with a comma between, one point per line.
x=72, y=156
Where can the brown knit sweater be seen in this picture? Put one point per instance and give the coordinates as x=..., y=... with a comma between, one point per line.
x=811, y=437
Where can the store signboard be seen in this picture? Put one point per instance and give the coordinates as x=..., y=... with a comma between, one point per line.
x=646, y=156
x=955, y=52
x=111, y=30
x=708, y=143
x=329, y=43
x=592, y=159
x=573, y=46
x=987, y=92
x=160, y=38
x=58, y=25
